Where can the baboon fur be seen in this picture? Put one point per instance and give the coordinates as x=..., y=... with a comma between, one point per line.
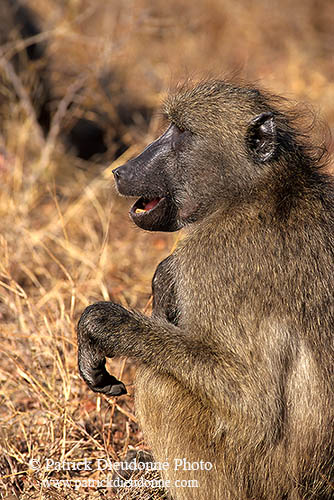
x=235, y=365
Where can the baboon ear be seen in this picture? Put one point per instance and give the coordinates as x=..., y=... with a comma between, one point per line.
x=262, y=137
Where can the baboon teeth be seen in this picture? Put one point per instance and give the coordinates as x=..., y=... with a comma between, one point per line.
x=145, y=205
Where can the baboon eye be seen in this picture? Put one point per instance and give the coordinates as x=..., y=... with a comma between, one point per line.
x=178, y=136
x=262, y=137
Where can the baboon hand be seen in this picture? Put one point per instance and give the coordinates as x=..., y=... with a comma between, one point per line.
x=98, y=335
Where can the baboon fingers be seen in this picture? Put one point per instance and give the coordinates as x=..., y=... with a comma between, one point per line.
x=97, y=377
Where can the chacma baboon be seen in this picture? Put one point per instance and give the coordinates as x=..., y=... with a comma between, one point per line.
x=236, y=363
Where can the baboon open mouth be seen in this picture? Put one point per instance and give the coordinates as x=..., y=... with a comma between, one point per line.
x=155, y=214
x=146, y=213
x=144, y=205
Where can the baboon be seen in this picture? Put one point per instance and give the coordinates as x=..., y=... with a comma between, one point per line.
x=236, y=363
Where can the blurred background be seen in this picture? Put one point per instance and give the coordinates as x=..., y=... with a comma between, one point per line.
x=81, y=82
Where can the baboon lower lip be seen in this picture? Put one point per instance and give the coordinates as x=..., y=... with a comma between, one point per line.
x=155, y=214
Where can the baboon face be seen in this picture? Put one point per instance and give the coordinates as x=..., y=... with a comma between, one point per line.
x=200, y=159
x=151, y=176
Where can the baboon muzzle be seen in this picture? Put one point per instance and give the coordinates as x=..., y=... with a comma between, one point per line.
x=155, y=210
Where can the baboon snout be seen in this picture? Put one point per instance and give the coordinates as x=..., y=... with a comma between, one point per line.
x=124, y=175
x=123, y=172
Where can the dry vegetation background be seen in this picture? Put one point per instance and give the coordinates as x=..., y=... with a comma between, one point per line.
x=65, y=238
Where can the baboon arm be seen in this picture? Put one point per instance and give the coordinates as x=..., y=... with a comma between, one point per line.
x=163, y=291
x=109, y=330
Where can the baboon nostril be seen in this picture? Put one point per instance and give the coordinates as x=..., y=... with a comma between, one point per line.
x=116, y=173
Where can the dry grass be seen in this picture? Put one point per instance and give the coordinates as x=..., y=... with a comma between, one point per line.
x=65, y=239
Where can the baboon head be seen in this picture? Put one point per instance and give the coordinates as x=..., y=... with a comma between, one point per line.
x=223, y=143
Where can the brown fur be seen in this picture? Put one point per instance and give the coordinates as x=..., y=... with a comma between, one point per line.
x=236, y=362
